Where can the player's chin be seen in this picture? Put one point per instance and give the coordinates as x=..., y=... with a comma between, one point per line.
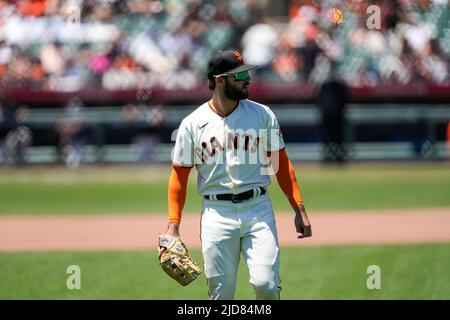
x=244, y=93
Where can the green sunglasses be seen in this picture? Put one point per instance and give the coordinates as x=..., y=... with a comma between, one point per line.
x=239, y=76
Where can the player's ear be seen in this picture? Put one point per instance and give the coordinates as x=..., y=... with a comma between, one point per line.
x=219, y=79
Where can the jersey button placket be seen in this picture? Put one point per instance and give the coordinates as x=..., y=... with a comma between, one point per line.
x=235, y=207
x=228, y=156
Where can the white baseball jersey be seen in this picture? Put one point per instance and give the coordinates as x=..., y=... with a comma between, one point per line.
x=230, y=153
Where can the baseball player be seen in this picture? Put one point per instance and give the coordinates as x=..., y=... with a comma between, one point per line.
x=235, y=144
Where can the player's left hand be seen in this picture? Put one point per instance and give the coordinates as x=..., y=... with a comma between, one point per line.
x=301, y=222
x=172, y=230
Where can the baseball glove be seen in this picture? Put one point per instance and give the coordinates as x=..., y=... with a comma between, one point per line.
x=175, y=260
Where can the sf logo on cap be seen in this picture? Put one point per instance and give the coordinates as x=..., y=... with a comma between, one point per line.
x=238, y=56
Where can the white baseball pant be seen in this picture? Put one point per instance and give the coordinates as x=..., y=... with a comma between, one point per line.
x=227, y=229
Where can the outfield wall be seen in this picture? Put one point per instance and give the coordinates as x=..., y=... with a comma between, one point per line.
x=133, y=134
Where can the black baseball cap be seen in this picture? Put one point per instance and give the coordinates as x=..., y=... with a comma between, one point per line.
x=228, y=61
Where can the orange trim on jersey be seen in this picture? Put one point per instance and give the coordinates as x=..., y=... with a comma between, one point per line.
x=286, y=177
x=269, y=153
x=211, y=104
x=177, y=192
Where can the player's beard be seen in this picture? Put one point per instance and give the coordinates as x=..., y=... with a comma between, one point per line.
x=234, y=93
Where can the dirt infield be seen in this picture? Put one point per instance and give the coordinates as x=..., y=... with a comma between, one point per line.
x=112, y=232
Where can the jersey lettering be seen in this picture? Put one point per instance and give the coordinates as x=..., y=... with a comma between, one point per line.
x=230, y=154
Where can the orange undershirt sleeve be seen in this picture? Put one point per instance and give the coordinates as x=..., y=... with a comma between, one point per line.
x=286, y=178
x=177, y=192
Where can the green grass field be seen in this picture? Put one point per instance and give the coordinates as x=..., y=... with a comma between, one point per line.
x=144, y=189
x=407, y=272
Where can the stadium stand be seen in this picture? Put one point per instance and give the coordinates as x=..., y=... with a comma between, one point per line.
x=70, y=45
x=134, y=68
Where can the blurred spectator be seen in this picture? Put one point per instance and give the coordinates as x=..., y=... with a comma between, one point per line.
x=72, y=134
x=7, y=119
x=51, y=59
x=287, y=63
x=72, y=44
x=183, y=77
x=15, y=137
x=7, y=122
x=435, y=62
x=309, y=53
x=259, y=45
x=31, y=7
x=149, y=120
x=333, y=96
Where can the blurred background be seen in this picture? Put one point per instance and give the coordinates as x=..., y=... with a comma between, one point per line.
x=91, y=93
x=108, y=81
